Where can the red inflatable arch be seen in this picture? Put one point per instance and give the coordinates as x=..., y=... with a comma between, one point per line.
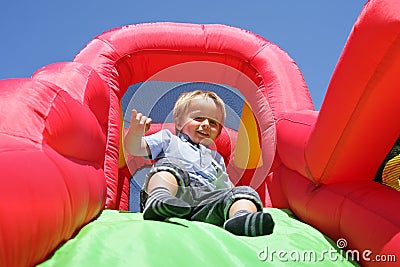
x=150, y=51
x=60, y=130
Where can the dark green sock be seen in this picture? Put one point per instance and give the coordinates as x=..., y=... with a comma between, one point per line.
x=161, y=205
x=245, y=223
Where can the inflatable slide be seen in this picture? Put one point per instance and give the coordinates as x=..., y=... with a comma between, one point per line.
x=69, y=191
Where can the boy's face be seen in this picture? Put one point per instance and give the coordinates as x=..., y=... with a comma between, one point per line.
x=202, y=121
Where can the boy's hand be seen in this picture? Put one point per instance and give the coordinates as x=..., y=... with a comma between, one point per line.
x=140, y=124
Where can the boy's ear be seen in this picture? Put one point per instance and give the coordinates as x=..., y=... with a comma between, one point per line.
x=178, y=123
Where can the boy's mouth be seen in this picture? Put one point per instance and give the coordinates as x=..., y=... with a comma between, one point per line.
x=203, y=133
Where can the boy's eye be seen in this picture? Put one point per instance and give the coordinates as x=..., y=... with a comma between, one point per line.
x=212, y=122
x=199, y=119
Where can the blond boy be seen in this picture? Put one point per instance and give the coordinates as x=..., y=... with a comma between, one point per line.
x=189, y=180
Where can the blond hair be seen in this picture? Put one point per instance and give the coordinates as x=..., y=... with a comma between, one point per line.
x=184, y=99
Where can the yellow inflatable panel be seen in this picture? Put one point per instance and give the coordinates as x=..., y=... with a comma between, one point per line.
x=248, y=152
x=391, y=173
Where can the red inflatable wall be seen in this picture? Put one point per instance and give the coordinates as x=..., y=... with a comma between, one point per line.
x=52, y=153
x=345, y=143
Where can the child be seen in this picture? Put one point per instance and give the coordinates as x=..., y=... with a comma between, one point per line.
x=189, y=180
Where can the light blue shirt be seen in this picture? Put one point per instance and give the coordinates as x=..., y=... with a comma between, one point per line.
x=204, y=165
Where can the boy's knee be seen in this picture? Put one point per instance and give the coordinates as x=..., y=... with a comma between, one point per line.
x=165, y=173
x=163, y=179
x=246, y=192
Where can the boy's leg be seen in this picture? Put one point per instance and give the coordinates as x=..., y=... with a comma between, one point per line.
x=162, y=203
x=238, y=210
x=241, y=204
x=244, y=219
x=163, y=179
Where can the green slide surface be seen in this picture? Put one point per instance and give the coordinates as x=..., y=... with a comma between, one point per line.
x=119, y=238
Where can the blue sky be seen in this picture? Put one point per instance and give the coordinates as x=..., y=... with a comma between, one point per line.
x=313, y=32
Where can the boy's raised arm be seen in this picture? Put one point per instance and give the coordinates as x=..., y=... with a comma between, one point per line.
x=134, y=141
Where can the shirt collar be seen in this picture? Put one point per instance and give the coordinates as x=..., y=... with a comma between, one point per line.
x=186, y=138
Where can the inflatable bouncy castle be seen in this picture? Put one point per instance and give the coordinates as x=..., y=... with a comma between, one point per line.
x=68, y=189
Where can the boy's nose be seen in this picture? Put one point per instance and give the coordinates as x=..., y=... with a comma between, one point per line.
x=205, y=122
